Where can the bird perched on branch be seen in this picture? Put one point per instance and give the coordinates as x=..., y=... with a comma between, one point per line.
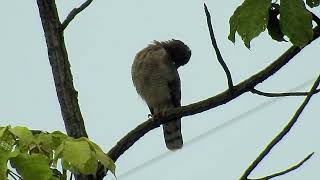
x=156, y=79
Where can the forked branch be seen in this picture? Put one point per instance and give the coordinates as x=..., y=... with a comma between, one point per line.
x=287, y=170
x=284, y=132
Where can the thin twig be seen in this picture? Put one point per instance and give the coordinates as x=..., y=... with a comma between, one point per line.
x=216, y=48
x=75, y=12
x=267, y=94
x=287, y=170
x=285, y=130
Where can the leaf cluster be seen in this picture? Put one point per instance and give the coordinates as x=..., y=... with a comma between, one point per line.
x=35, y=156
x=290, y=18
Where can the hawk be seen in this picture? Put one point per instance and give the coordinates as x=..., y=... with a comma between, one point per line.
x=156, y=79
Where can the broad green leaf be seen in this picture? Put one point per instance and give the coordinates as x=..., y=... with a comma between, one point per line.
x=66, y=165
x=106, y=161
x=249, y=20
x=44, y=144
x=7, y=140
x=43, y=138
x=6, y=146
x=3, y=129
x=4, y=157
x=32, y=167
x=76, y=154
x=25, y=136
x=274, y=23
x=7, y=143
x=296, y=22
x=57, y=154
x=57, y=138
x=91, y=166
x=313, y=3
x=54, y=178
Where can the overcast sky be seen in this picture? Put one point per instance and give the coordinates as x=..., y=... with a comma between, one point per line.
x=102, y=42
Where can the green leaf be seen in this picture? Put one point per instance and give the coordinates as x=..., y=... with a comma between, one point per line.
x=106, y=161
x=91, y=166
x=3, y=129
x=76, y=153
x=32, y=167
x=296, y=22
x=57, y=154
x=55, y=178
x=313, y=3
x=25, y=136
x=7, y=142
x=249, y=20
x=44, y=139
x=4, y=157
x=44, y=144
x=273, y=27
x=57, y=138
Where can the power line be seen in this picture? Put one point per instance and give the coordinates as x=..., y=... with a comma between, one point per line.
x=211, y=131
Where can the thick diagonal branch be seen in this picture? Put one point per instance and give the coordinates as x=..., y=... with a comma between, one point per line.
x=58, y=57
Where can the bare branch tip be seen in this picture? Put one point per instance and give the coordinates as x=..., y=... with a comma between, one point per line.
x=288, y=170
x=206, y=10
x=74, y=12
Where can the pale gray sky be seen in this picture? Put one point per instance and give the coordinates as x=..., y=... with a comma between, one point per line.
x=101, y=44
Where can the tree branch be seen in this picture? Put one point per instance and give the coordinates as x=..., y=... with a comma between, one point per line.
x=128, y=140
x=58, y=58
x=75, y=12
x=216, y=48
x=287, y=170
x=285, y=130
x=267, y=94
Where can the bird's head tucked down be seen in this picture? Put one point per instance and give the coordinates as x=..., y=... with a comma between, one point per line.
x=179, y=52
